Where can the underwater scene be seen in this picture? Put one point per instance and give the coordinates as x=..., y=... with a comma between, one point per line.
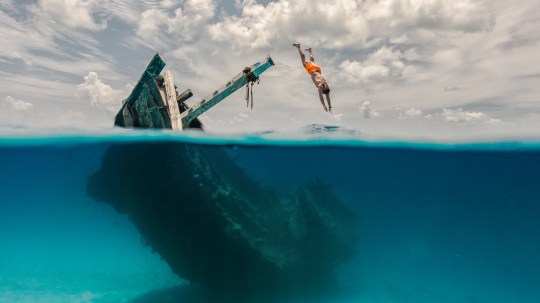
x=145, y=217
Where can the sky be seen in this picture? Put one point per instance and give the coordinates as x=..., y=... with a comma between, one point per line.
x=423, y=69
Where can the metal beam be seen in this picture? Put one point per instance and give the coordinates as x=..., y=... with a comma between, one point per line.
x=223, y=92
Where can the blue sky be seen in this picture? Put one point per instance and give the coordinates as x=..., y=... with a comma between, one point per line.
x=398, y=69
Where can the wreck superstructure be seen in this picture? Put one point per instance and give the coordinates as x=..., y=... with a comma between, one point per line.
x=155, y=103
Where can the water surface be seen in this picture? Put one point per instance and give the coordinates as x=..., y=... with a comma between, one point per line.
x=437, y=222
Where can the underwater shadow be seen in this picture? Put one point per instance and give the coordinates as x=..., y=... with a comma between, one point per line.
x=216, y=227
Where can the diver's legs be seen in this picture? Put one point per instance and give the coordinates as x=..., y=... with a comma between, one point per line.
x=302, y=55
x=329, y=104
x=311, y=58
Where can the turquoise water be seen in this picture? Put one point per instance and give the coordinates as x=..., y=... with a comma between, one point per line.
x=437, y=222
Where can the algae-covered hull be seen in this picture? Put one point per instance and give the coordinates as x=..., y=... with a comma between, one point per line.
x=215, y=226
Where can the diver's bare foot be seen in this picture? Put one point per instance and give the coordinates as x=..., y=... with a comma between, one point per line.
x=308, y=49
x=297, y=45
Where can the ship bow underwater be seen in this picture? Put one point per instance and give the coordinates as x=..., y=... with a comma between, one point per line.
x=205, y=216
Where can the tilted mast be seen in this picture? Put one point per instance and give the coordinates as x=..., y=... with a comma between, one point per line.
x=154, y=103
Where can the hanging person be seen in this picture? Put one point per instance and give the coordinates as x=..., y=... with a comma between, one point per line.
x=315, y=72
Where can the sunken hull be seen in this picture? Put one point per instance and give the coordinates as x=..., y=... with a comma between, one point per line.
x=215, y=226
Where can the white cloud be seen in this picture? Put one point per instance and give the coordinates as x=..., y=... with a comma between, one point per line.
x=71, y=13
x=413, y=113
x=21, y=39
x=101, y=95
x=367, y=112
x=410, y=113
x=337, y=24
x=459, y=115
x=443, y=15
x=183, y=22
x=6, y=4
x=334, y=23
x=41, y=42
x=385, y=63
x=18, y=105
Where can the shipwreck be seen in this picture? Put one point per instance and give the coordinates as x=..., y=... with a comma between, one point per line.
x=155, y=103
x=205, y=216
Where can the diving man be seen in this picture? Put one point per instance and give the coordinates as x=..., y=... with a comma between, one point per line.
x=315, y=72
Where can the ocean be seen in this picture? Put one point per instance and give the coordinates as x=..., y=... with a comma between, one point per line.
x=435, y=222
